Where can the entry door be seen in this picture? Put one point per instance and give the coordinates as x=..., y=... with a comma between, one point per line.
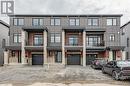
x=73, y=59
x=114, y=55
x=37, y=59
x=90, y=58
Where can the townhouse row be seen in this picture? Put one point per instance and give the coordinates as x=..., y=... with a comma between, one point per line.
x=63, y=39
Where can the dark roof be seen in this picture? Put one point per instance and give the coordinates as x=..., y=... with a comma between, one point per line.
x=125, y=25
x=116, y=47
x=5, y=24
x=13, y=47
x=73, y=28
x=34, y=28
x=34, y=48
x=65, y=15
x=54, y=47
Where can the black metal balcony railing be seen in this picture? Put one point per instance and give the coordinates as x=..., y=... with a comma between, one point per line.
x=96, y=44
x=74, y=44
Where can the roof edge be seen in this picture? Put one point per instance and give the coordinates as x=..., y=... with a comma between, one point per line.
x=71, y=15
x=5, y=24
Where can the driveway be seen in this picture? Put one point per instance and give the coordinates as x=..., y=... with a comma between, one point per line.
x=19, y=75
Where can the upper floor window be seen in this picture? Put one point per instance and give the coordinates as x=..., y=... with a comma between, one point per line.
x=127, y=42
x=37, y=21
x=55, y=38
x=38, y=39
x=74, y=21
x=112, y=21
x=112, y=37
x=55, y=21
x=17, y=37
x=18, y=21
x=93, y=21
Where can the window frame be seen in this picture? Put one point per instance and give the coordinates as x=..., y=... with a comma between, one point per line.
x=54, y=37
x=110, y=37
x=73, y=38
x=18, y=40
x=34, y=43
x=112, y=22
x=18, y=24
x=92, y=21
x=75, y=22
x=54, y=21
x=38, y=21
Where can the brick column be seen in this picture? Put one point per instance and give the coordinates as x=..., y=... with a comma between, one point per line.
x=63, y=47
x=6, y=57
x=45, y=46
x=24, y=61
x=84, y=48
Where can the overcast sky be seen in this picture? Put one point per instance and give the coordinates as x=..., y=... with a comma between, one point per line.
x=73, y=7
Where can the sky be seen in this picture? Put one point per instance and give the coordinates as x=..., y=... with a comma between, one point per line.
x=72, y=7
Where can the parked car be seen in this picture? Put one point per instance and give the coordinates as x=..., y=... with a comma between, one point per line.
x=119, y=70
x=98, y=63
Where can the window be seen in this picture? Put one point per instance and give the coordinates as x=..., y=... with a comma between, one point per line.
x=17, y=37
x=18, y=21
x=74, y=22
x=55, y=21
x=93, y=22
x=55, y=38
x=93, y=41
x=127, y=42
x=112, y=21
x=38, y=39
x=73, y=40
x=37, y=21
x=112, y=37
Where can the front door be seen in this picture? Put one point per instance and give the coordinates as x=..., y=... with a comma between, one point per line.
x=90, y=58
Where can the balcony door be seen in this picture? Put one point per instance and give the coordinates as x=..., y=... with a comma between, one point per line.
x=73, y=40
x=38, y=40
x=93, y=40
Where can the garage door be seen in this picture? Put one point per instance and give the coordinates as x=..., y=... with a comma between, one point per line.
x=90, y=58
x=73, y=60
x=37, y=59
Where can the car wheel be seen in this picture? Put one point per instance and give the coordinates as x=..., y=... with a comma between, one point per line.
x=103, y=71
x=115, y=75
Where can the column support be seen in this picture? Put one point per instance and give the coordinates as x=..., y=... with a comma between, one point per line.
x=84, y=48
x=6, y=57
x=110, y=56
x=123, y=55
x=45, y=46
x=63, y=47
x=24, y=61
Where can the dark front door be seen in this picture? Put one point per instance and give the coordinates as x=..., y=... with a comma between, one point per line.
x=37, y=59
x=73, y=60
x=90, y=58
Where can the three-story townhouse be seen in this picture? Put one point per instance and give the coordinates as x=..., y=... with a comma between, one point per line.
x=63, y=39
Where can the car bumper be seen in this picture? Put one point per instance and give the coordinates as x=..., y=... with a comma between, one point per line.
x=124, y=75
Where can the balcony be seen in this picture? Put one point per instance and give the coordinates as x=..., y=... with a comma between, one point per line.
x=95, y=46
x=33, y=47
